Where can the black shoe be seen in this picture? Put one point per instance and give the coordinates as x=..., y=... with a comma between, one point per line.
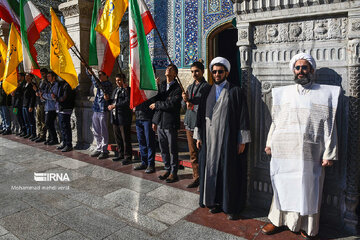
x=172, y=178
x=193, y=184
x=52, y=142
x=17, y=133
x=67, y=149
x=150, y=169
x=201, y=205
x=2, y=130
x=233, y=217
x=47, y=142
x=126, y=161
x=62, y=146
x=33, y=138
x=27, y=136
x=140, y=167
x=103, y=156
x=216, y=209
x=117, y=159
x=7, y=132
x=23, y=134
x=95, y=154
x=164, y=176
x=40, y=140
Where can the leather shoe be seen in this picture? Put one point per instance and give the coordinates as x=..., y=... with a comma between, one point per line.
x=269, y=229
x=164, y=176
x=6, y=132
x=52, y=142
x=47, y=141
x=23, y=134
x=193, y=184
x=40, y=140
x=116, y=159
x=33, y=138
x=150, y=169
x=306, y=236
x=216, y=209
x=67, y=149
x=172, y=178
x=126, y=161
x=26, y=136
x=140, y=167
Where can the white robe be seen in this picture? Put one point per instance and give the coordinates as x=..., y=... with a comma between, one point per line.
x=302, y=133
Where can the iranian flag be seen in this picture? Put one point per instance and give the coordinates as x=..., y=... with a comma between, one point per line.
x=142, y=79
x=32, y=22
x=8, y=14
x=100, y=54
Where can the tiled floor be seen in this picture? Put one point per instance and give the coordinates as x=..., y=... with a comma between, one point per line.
x=106, y=200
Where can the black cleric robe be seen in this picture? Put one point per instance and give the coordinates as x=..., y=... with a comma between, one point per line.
x=221, y=126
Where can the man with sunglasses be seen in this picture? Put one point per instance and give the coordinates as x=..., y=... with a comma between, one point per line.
x=302, y=141
x=190, y=103
x=222, y=130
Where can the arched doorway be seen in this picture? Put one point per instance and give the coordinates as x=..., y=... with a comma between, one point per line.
x=222, y=42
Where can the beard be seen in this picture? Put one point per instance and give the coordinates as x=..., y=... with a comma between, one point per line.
x=220, y=81
x=303, y=81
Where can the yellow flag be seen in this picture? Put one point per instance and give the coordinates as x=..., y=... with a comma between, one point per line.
x=109, y=23
x=3, y=50
x=60, y=59
x=14, y=57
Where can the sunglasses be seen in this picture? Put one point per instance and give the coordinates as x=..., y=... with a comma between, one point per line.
x=217, y=71
x=301, y=67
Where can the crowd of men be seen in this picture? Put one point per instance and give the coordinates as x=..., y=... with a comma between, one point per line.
x=301, y=141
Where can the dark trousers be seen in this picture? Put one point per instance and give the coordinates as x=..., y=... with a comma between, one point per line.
x=50, y=118
x=20, y=119
x=65, y=128
x=193, y=154
x=29, y=121
x=146, y=139
x=123, y=139
x=169, y=149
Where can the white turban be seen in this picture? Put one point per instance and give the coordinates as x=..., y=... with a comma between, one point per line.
x=305, y=56
x=222, y=61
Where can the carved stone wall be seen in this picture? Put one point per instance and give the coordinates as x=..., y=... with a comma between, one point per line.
x=270, y=33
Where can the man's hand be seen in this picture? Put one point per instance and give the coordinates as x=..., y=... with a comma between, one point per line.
x=198, y=144
x=152, y=106
x=111, y=107
x=53, y=96
x=327, y=163
x=157, y=80
x=31, y=109
x=106, y=97
x=185, y=96
x=34, y=87
x=241, y=148
x=268, y=150
x=154, y=127
x=189, y=105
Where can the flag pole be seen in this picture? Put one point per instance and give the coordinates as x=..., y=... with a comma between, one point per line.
x=81, y=58
x=167, y=54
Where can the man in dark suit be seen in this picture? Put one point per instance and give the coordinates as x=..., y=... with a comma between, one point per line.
x=121, y=116
x=166, y=121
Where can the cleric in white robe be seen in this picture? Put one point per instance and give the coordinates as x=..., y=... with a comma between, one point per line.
x=302, y=141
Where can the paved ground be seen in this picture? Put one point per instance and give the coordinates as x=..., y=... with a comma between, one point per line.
x=104, y=200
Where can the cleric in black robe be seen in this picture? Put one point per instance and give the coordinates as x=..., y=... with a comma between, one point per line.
x=222, y=131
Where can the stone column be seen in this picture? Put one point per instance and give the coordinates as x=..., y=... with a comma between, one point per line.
x=245, y=53
x=77, y=16
x=353, y=161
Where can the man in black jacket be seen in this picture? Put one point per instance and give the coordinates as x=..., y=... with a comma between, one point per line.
x=29, y=100
x=18, y=103
x=166, y=121
x=5, y=102
x=65, y=102
x=121, y=116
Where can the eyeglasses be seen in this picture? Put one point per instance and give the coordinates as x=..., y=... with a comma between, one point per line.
x=301, y=67
x=217, y=71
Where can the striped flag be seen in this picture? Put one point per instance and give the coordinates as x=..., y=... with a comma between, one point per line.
x=109, y=23
x=3, y=50
x=142, y=79
x=32, y=22
x=99, y=51
x=7, y=12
